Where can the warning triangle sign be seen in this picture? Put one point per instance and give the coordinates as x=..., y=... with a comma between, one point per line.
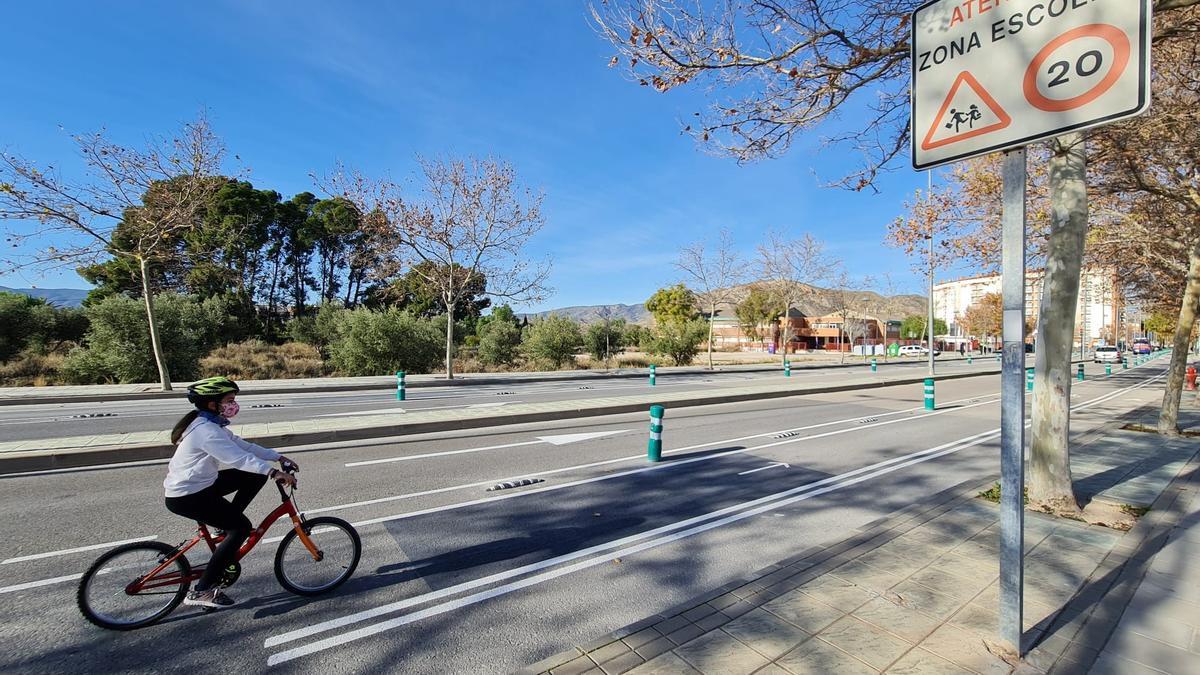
x=966, y=113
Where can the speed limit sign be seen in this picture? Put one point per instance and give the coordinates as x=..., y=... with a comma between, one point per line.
x=991, y=75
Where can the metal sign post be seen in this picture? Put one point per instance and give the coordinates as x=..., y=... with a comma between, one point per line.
x=1012, y=402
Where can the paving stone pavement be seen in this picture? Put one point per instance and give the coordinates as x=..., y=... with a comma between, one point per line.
x=916, y=592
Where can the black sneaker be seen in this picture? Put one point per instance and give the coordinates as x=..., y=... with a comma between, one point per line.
x=213, y=598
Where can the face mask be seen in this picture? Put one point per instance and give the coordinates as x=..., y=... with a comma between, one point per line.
x=230, y=410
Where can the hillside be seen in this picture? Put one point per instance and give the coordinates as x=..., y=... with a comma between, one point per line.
x=893, y=307
x=62, y=297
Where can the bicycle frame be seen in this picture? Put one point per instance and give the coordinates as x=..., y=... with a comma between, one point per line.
x=287, y=508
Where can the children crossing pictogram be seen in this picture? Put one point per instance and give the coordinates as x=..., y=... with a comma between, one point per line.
x=968, y=111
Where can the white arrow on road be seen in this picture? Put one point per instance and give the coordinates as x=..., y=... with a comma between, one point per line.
x=764, y=468
x=562, y=439
x=396, y=411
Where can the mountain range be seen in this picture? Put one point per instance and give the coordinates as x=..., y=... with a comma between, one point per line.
x=62, y=297
x=892, y=307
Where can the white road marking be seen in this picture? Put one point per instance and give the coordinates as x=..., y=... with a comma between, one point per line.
x=81, y=549
x=764, y=468
x=42, y=582
x=553, y=440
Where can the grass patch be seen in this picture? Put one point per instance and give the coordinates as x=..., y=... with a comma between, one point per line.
x=1135, y=511
x=992, y=494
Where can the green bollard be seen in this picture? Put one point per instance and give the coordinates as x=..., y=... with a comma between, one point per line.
x=997, y=357
x=1079, y=373
x=969, y=360
x=1125, y=363
x=654, y=449
x=1029, y=379
x=399, y=385
x=1108, y=369
x=929, y=403
x=874, y=365
x=652, y=375
x=787, y=368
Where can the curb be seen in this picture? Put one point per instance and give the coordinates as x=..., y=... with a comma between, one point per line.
x=462, y=380
x=41, y=460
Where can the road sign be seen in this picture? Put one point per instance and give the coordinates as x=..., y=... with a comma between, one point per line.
x=991, y=75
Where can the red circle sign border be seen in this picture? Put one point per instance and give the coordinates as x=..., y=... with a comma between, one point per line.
x=1107, y=32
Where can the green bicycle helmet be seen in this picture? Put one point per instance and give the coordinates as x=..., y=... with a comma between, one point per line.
x=211, y=388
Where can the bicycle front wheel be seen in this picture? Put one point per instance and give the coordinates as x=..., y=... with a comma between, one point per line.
x=339, y=549
x=104, y=597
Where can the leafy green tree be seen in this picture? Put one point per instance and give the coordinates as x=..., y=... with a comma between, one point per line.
x=119, y=348
x=417, y=294
x=290, y=253
x=332, y=226
x=606, y=339
x=679, y=340
x=17, y=325
x=913, y=327
x=1160, y=324
x=757, y=312
x=499, y=342
x=673, y=303
x=319, y=329
x=555, y=339
x=502, y=313
x=382, y=342
x=637, y=335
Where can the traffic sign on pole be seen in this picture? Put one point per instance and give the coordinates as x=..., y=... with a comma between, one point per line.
x=990, y=75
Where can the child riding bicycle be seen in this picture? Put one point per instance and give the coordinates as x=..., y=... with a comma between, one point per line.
x=196, y=487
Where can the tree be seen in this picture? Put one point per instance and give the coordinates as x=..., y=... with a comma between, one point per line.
x=380, y=343
x=778, y=69
x=678, y=339
x=849, y=302
x=914, y=327
x=119, y=348
x=555, y=339
x=605, y=337
x=716, y=274
x=151, y=197
x=757, y=311
x=672, y=303
x=499, y=343
x=792, y=266
x=985, y=318
x=472, y=220
x=415, y=293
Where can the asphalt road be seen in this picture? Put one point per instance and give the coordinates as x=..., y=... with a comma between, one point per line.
x=34, y=421
x=455, y=579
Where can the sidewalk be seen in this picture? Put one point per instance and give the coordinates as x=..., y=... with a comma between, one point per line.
x=52, y=453
x=916, y=592
x=108, y=392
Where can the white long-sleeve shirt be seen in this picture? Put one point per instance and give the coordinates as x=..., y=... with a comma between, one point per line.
x=204, y=444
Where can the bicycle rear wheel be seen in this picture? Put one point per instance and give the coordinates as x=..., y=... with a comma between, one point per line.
x=103, y=597
x=340, y=549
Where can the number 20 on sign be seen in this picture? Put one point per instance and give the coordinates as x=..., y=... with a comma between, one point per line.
x=990, y=75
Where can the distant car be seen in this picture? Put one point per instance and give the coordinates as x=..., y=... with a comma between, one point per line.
x=1106, y=354
x=917, y=350
x=1142, y=346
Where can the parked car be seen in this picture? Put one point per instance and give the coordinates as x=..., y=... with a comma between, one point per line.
x=917, y=350
x=1106, y=354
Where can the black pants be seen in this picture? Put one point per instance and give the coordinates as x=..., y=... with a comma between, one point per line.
x=210, y=507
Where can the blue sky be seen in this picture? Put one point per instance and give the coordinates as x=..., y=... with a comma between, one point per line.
x=293, y=87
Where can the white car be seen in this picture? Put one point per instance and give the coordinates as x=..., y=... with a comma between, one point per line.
x=917, y=350
x=1106, y=354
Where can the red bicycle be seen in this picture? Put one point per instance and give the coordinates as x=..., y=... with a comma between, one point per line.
x=137, y=584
